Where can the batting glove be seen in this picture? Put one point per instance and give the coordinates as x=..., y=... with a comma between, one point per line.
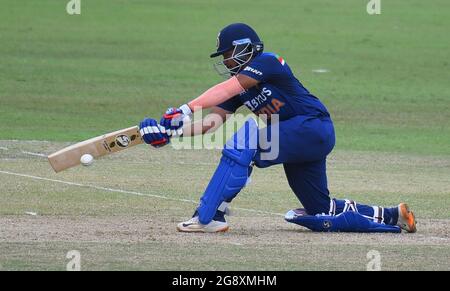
x=172, y=120
x=152, y=133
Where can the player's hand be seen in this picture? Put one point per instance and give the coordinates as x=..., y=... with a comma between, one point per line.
x=172, y=120
x=152, y=133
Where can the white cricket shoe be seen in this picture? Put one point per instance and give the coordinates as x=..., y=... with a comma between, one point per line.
x=193, y=225
x=406, y=218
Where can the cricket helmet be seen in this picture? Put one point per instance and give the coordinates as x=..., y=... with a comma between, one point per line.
x=244, y=43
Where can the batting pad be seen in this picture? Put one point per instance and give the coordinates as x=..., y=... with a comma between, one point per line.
x=349, y=221
x=232, y=172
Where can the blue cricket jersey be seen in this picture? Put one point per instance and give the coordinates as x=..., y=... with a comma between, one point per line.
x=279, y=91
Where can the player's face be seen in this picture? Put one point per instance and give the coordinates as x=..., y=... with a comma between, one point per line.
x=230, y=63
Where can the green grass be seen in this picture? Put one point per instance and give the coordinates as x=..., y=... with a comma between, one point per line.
x=67, y=78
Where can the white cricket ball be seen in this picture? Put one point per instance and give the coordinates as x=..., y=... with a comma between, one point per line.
x=86, y=159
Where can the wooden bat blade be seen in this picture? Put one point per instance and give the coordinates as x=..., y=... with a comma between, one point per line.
x=98, y=146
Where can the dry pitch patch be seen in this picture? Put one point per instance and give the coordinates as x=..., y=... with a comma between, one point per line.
x=135, y=229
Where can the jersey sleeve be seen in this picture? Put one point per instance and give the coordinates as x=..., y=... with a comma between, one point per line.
x=265, y=67
x=232, y=104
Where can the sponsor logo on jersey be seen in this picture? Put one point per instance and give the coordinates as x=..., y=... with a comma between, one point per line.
x=255, y=102
x=272, y=105
x=254, y=71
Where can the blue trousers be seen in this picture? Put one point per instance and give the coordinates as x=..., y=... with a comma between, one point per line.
x=304, y=143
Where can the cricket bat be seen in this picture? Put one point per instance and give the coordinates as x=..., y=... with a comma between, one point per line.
x=98, y=146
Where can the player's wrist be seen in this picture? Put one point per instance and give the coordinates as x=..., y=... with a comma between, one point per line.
x=186, y=110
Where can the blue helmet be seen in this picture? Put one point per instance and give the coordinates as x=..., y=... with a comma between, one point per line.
x=244, y=43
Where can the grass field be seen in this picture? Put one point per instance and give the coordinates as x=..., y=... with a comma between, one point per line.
x=67, y=78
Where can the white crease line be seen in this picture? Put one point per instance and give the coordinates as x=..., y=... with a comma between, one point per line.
x=34, y=154
x=3, y=148
x=126, y=192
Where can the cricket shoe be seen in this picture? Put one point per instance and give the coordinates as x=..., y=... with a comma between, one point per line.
x=406, y=218
x=218, y=224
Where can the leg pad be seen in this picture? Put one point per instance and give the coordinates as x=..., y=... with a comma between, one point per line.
x=345, y=222
x=232, y=172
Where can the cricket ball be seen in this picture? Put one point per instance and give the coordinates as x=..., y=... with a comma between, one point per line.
x=86, y=159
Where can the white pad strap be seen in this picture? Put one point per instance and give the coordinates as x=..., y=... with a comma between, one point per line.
x=332, y=211
x=223, y=206
x=378, y=214
x=350, y=205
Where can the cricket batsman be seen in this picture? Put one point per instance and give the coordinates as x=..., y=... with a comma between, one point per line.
x=265, y=84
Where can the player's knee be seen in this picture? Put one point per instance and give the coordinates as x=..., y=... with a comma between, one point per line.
x=242, y=147
x=242, y=157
